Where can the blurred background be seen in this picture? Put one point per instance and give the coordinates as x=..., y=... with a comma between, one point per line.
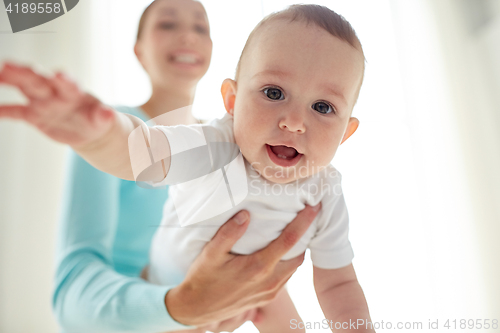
x=420, y=176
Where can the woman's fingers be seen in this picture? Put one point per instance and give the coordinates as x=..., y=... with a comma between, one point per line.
x=227, y=235
x=13, y=111
x=284, y=271
x=36, y=86
x=32, y=85
x=288, y=267
x=231, y=283
x=97, y=113
x=57, y=107
x=289, y=236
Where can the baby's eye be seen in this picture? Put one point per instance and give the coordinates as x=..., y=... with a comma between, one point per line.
x=274, y=93
x=323, y=107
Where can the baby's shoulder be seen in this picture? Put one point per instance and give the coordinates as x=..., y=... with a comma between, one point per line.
x=220, y=129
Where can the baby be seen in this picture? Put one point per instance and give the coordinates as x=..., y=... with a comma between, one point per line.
x=288, y=110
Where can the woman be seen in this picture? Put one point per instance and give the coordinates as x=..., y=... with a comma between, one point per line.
x=107, y=223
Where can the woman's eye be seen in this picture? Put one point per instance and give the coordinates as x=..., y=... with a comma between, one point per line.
x=323, y=107
x=200, y=29
x=274, y=93
x=167, y=26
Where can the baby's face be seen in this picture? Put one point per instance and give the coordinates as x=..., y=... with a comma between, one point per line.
x=294, y=96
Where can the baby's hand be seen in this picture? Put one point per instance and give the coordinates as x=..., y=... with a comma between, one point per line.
x=56, y=107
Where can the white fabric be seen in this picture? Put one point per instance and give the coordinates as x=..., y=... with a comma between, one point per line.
x=212, y=182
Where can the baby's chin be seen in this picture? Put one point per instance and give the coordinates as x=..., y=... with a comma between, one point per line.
x=284, y=175
x=280, y=179
x=280, y=175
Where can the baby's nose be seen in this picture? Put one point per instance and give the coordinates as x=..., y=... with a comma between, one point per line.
x=293, y=122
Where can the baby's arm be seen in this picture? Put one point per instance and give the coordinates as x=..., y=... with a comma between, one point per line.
x=341, y=298
x=64, y=113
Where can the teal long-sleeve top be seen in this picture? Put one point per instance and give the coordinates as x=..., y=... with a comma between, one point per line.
x=103, y=243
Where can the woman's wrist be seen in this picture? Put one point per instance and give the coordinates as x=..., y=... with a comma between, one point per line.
x=182, y=306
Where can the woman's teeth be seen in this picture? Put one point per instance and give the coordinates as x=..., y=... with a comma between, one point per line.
x=186, y=58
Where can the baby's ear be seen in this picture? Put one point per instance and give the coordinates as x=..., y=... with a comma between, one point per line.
x=228, y=91
x=352, y=126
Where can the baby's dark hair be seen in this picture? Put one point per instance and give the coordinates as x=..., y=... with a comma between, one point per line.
x=320, y=16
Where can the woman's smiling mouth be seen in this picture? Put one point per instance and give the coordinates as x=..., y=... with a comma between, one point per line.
x=185, y=59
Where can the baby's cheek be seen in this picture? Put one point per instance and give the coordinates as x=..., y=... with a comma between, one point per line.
x=328, y=155
x=321, y=158
x=237, y=135
x=242, y=139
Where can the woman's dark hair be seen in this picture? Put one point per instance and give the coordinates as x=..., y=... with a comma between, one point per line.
x=142, y=21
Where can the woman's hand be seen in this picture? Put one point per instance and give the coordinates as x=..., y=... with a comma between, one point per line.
x=56, y=107
x=231, y=324
x=220, y=285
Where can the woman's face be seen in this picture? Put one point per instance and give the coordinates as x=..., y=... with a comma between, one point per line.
x=175, y=44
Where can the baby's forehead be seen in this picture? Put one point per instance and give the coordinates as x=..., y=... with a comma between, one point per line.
x=285, y=32
x=276, y=26
x=282, y=38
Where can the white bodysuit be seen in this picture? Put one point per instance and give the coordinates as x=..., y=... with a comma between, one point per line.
x=210, y=181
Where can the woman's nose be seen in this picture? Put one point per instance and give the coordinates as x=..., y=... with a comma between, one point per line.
x=293, y=121
x=188, y=37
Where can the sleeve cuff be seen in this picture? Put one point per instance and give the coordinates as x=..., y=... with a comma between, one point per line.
x=161, y=311
x=332, y=260
x=145, y=311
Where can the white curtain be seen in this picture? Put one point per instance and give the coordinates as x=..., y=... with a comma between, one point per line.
x=473, y=53
x=31, y=171
x=450, y=59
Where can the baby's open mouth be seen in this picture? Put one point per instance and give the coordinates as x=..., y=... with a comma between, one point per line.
x=283, y=155
x=284, y=152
